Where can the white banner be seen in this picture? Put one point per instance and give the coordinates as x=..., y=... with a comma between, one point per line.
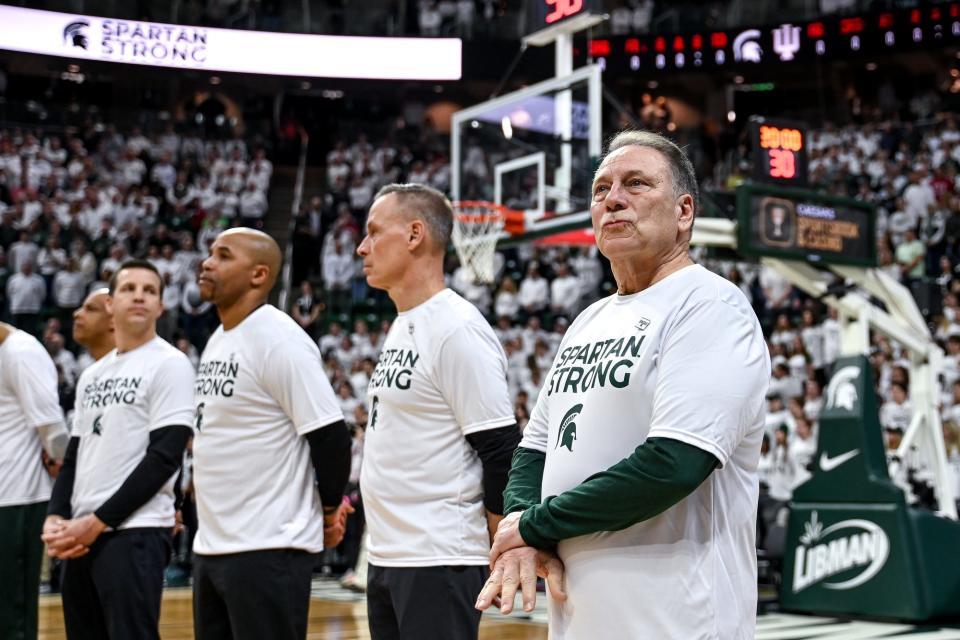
x=206, y=49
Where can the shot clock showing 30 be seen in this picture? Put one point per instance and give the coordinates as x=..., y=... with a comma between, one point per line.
x=779, y=151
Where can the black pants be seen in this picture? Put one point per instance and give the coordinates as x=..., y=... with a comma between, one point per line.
x=20, y=554
x=114, y=591
x=424, y=603
x=252, y=595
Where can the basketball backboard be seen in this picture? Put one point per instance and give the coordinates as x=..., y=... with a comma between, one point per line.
x=533, y=150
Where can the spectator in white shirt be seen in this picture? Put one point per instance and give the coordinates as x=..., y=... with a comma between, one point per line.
x=534, y=293
x=63, y=358
x=812, y=400
x=331, y=339
x=86, y=261
x=803, y=445
x=506, y=304
x=131, y=169
x=186, y=258
x=194, y=312
x=783, y=332
x=253, y=206
x=338, y=270
x=167, y=264
x=168, y=323
x=51, y=259
x=565, y=292
x=69, y=290
x=260, y=171
x=26, y=292
x=137, y=142
x=360, y=194
x=21, y=252
x=896, y=412
x=918, y=197
x=164, y=174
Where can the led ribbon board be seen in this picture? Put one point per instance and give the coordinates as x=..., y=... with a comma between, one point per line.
x=230, y=50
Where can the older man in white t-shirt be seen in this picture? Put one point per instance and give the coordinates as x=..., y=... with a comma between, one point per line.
x=639, y=463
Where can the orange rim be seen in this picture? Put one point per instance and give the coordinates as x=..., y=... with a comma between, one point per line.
x=479, y=212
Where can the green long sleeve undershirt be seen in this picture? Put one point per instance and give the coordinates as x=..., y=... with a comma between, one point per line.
x=657, y=475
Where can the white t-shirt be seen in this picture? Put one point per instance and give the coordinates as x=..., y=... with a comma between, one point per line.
x=441, y=376
x=260, y=388
x=28, y=399
x=684, y=359
x=121, y=399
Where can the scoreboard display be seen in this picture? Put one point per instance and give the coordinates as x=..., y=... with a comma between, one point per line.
x=779, y=151
x=795, y=224
x=547, y=13
x=830, y=37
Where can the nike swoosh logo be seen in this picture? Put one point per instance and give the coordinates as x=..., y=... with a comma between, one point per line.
x=829, y=464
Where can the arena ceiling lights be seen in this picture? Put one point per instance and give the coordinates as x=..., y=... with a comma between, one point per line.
x=205, y=49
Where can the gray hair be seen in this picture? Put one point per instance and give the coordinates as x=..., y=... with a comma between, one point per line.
x=427, y=203
x=681, y=169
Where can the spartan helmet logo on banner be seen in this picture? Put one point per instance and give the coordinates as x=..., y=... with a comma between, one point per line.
x=841, y=392
x=73, y=33
x=567, y=432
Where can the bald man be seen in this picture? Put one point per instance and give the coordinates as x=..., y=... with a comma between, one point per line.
x=271, y=454
x=93, y=326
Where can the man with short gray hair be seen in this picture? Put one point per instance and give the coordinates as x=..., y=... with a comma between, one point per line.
x=640, y=457
x=440, y=433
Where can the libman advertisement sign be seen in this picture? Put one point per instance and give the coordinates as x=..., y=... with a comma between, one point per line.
x=845, y=560
x=157, y=44
x=877, y=561
x=841, y=556
x=854, y=546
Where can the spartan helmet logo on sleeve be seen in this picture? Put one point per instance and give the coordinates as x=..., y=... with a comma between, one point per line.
x=97, y=427
x=568, y=428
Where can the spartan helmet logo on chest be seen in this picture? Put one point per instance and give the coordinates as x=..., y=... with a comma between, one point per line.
x=567, y=433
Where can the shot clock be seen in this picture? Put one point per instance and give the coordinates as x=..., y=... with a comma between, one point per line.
x=779, y=151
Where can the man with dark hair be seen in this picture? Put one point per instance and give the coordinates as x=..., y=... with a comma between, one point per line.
x=135, y=264
x=441, y=430
x=112, y=509
x=271, y=456
x=640, y=458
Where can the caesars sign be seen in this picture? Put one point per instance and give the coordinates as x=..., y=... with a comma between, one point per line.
x=798, y=224
x=180, y=46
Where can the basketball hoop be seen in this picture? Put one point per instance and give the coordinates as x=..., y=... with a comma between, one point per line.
x=477, y=226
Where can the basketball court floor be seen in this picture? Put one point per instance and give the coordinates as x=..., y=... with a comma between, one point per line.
x=338, y=614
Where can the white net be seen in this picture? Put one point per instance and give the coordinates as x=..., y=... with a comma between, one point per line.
x=476, y=229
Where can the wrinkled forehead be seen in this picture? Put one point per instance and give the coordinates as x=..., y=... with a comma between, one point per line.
x=632, y=159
